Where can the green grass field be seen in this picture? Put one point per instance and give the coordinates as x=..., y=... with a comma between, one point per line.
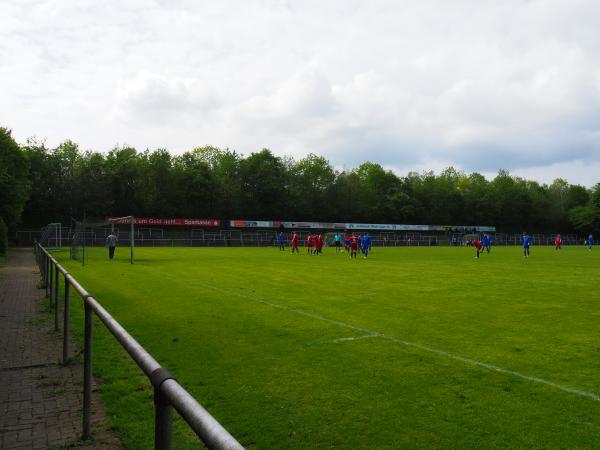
x=412, y=348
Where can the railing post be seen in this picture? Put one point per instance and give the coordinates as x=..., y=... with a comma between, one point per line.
x=46, y=281
x=163, y=422
x=56, y=283
x=40, y=262
x=163, y=411
x=50, y=281
x=66, y=321
x=87, y=371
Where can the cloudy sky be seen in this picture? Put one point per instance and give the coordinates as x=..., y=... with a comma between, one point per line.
x=478, y=84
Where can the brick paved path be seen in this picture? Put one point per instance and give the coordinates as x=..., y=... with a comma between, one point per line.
x=40, y=400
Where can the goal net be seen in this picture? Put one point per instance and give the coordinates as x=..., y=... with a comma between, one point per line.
x=90, y=234
x=51, y=237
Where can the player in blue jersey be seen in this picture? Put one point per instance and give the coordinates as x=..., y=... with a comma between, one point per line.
x=347, y=243
x=365, y=244
x=281, y=241
x=590, y=241
x=526, y=243
x=487, y=242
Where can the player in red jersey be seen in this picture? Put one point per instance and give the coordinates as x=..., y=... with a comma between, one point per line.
x=558, y=242
x=318, y=244
x=478, y=246
x=310, y=242
x=353, y=245
x=295, y=243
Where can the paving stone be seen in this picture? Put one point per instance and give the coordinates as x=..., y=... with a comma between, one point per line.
x=40, y=400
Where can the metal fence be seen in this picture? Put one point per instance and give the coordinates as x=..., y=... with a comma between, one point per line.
x=147, y=237
x=168, y=393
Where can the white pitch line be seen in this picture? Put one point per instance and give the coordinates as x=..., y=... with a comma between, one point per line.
x=463, y=359
x=353, y=338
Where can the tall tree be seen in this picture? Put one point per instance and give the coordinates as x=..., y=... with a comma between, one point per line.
x=310, y=181
x=263, y=185
x=14, y=183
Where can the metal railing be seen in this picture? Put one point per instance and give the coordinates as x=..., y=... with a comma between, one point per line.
x=168, y=393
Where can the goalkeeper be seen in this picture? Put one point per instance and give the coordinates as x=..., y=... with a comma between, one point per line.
x=111, y=243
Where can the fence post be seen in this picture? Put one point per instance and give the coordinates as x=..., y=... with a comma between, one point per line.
x=41, y=262
x=66, y=321
x=56, y=282
x=87, y=371
x=163, y=418
x=50, y=285
x=46, y=280
x=163, y=422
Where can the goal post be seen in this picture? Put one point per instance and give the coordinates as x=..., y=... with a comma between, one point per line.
x=93, y=233
x=51, y=237
x=124, y=221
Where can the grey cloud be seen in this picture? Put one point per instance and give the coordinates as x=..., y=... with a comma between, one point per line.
x=479, y=85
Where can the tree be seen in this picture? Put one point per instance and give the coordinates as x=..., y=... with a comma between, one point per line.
x=93, y=185
x=586, y=218
x=583, y=218
x=195, y=186
x=263, y=185
x=310, y=182
x=156, y=185
x=475, y=191
x=14, y=183
x=225, y=169
x=122, y=169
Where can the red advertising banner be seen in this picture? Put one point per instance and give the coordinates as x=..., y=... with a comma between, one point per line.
x=154, y=221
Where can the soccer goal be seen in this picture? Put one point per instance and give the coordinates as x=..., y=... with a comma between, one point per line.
x=90, y=232
x=51, y=237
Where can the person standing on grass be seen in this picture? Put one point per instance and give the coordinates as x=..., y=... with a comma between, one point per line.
x=295, y=243
x=347, y=243
x=353, y=246
x=111, y=243
x=487, y=242
x=281, y=241
x=365, y=244
x=590, y=241
x=558, y=242
x=478, y=246
x=338, y=242
x=318, y=244
x=526, y=244
x=309, y=243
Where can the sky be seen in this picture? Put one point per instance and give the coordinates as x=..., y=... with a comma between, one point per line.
x=481, y=85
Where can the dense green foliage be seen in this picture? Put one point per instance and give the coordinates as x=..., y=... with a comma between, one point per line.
x=3, y=237
x=263, y=340
x=216, y=183
x=14, y=184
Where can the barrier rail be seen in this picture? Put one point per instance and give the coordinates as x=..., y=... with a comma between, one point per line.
x=261, y=238
x=168, y=393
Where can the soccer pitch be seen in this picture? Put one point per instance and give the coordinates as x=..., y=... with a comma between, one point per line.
x=410, y=348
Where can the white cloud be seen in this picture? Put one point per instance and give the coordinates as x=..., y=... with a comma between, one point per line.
x=480, y=85
x=150, y=99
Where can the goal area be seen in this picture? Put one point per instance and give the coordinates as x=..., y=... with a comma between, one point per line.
x=92, y=232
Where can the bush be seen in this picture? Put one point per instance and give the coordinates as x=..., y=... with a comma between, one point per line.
x=3, y=237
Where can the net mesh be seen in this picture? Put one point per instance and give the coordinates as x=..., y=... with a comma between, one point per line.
x=94, y=231
x=51, y=236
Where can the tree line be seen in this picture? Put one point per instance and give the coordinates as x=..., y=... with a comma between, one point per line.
x=39, y=185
